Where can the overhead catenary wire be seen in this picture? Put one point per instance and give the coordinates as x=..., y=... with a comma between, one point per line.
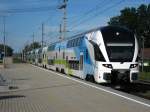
x=77, y=22
x=96, y=15
x=27, y=10
x=91, y=11
x=99, y=5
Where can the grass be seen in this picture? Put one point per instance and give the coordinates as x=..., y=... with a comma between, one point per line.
x=145, y=76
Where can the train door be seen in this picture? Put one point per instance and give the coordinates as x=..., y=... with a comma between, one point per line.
x=81, y=66
x=81, y=61
x=58, y=58
x=55, y=62
x=44, y=57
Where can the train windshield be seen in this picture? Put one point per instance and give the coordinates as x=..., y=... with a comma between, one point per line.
x=119, y=42
x=120, y=52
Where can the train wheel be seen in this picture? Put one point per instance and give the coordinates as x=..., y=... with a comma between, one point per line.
x=62, y=71
x=57, y=70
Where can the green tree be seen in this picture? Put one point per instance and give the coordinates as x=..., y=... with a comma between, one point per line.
x=31, y=46
x=136, y=19
x=9, y=50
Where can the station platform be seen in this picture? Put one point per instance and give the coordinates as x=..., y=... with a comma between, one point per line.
x=40, y=90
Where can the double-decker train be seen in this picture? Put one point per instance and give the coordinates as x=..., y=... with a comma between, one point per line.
x=106, y=54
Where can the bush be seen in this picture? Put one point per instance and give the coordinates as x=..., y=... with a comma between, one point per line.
x=145, y=76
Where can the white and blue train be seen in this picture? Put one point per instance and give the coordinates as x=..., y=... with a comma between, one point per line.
x=107, y=55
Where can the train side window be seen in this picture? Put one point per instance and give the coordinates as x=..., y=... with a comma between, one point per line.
x=78, y=41
x=68, y=44
x=73, y=43
x=81, y=38
x=53, y=47
x=74, y=65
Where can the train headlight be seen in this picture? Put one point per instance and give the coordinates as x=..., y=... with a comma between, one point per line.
x=107, y=65
x=133, y=65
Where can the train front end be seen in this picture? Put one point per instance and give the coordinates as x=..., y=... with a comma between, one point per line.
x=120, y=51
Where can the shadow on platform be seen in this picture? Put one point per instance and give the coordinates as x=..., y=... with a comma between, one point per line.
x=11, y=97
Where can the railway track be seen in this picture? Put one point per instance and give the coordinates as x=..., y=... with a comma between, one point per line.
x=141, y=89
x=144, y=82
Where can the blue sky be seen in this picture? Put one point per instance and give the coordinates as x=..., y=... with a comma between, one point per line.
x=82, y=15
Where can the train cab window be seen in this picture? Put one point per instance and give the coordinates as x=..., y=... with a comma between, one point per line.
x=98, y=54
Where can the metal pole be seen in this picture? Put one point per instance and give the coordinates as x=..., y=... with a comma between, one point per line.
x=4, y=40
x=60, y=31
x=64, y=19
x=64, y=7
x=143, y=39
x=33, y=39
x=42, y=35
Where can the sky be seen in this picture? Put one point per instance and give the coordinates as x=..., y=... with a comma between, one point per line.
x=24, y=18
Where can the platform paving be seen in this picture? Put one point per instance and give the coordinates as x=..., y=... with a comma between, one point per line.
x=41, y=91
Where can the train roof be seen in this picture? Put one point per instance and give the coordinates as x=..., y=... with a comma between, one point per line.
x=89, y=31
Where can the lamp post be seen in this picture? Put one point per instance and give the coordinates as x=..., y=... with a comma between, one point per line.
x=4, y=38
x=143, y=40
x=63, y=28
